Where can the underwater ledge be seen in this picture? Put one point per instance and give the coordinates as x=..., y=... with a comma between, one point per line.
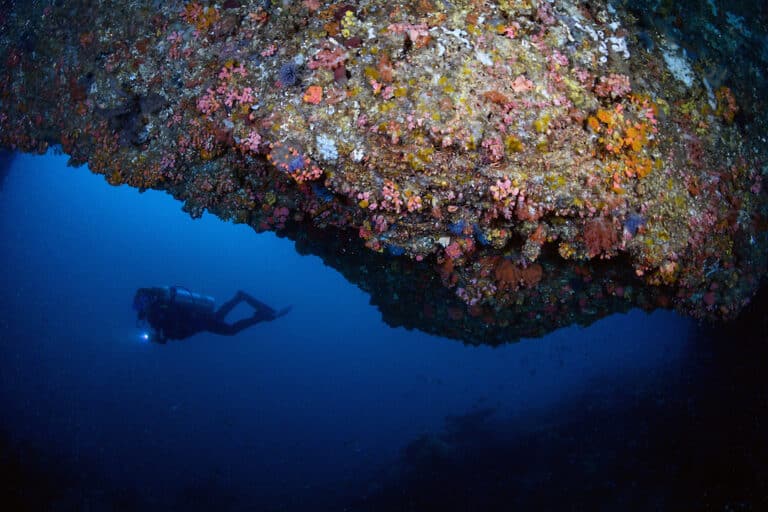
x=486, y=171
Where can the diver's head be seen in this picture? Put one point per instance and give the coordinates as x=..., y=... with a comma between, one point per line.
x=143, y=301
x=152, y=337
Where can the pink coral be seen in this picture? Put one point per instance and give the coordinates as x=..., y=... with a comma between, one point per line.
x=522, y=84
x=512, y=30
x=381, y=223
x=502, y=189
x=328, y=58
x=613, y=86
x=308, y=173
x=417, y=33
x=414, y=203
x=392, y=200
x=252, y=142
x=269, y=50
x=494, y=148
x=208, y=104
x=453, y=250
x=246, y=96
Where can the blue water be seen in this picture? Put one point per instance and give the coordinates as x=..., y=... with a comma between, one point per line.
x=328, y=407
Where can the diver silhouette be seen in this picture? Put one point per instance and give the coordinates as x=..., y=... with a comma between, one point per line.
x=175, y=313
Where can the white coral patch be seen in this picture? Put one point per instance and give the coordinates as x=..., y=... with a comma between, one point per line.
x=357, y=155
x=326, y=147
x=677, y=64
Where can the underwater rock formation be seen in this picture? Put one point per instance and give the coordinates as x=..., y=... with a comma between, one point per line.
x=485, y=170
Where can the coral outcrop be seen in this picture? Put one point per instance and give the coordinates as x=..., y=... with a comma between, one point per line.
x=486, y=170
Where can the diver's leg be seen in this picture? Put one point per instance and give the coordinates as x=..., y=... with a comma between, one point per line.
x=228, y=306
x=226, y=329
x=259, y=307
x=222, y=328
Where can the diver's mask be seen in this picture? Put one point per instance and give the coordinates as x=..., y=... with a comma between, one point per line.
x=141, y=302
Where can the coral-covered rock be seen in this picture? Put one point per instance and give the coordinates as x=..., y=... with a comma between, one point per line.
x=519, y=162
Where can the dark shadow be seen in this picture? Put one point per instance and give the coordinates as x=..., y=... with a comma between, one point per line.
x=31, y=480
x=6, y=162
x=687, y=440
x=206, y=494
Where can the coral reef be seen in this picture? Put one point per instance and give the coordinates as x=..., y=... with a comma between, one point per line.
x=513, y=166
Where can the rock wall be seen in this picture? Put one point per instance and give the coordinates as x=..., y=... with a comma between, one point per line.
x=486, y=170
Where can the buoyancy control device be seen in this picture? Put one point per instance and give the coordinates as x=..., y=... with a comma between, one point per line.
x=194, y=301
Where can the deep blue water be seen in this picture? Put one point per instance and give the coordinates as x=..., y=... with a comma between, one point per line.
x=328, y=408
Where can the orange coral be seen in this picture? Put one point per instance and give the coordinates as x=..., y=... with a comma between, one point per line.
x=385, y=69
x=593, y=123
x=600, y=237
x=605, y=117
x=496, y=97
x=201, y=17
x=511, y=276
x=726, y=104
x=625, y=138
x=313, y=95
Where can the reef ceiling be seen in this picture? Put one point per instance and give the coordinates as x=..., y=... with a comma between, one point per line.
x=485, y=170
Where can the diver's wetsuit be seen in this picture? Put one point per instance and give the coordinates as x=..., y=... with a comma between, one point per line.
x=176, y=320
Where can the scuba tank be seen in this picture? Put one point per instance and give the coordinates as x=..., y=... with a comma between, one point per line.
x=196, y=302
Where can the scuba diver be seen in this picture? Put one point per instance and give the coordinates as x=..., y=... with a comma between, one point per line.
x=175, y=313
